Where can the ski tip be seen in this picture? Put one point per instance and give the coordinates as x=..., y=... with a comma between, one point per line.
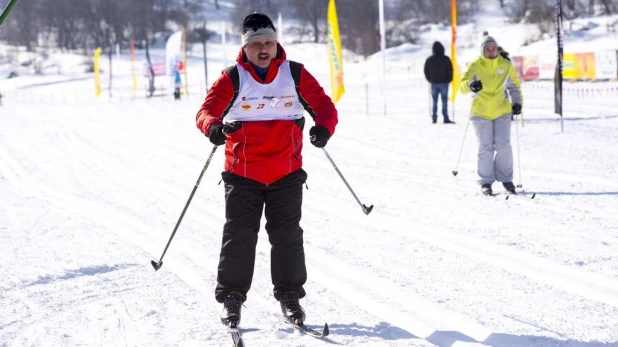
x=507, y=196
x=455, y=173
x=367, y=210
x=325, y=332
x=533, y=195
x=156, y=265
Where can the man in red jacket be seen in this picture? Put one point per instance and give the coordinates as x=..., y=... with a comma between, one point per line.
x=256, y=109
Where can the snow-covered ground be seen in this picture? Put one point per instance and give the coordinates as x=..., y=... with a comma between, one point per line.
x=90, y=191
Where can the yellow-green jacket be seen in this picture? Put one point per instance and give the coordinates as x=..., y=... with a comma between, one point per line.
x=499, y=80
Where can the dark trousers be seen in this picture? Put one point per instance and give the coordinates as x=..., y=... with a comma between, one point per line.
x=244, y=201
x=442, y=90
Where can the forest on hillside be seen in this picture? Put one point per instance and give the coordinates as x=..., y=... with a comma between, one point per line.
x=82, y=25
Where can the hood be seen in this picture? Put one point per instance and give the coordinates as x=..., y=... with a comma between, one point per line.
x=437, y=48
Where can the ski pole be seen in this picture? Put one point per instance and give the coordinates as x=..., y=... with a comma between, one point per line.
x=455, y=172
x=158, y=265
x=7, y=10
x=366, y=209
x=518, y=150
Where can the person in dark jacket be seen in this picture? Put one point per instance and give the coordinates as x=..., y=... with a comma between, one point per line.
x=255, y=109
x=439, y=72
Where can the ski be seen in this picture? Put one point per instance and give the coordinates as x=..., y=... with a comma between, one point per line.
x=307, y=330
x=236, y=337
x=522, y=195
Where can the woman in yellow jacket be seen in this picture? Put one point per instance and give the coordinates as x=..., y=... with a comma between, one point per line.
x=497, y=96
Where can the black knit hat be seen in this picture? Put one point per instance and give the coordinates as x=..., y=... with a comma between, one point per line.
x=258, y=26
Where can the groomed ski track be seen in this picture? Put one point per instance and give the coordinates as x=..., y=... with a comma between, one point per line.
x=97, y=187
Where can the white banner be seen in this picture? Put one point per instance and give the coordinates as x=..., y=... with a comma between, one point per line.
x=547, y=68
x=606, y=65
x=173, y=57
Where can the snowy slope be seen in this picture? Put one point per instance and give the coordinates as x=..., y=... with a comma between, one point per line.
x=90, y=190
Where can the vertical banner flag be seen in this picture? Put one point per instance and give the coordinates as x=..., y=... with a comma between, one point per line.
x=184, y=60
x=334, y=52
x=133, y=67
x=97, y=73
x=558, y=77
x=382, y=28
x=173, y=60
x=456, y=75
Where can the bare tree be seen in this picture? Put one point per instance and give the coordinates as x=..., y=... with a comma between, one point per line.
x=432, y=11
x=312, y=12
x=203, y=34
x=402, y=23
x=518, y=11
x=141, y=19
x=63, y=18
x=577, y=8
x=246, y=7
x=25, y=23
x=570, y=5
x=360, y=19
x=609, y=6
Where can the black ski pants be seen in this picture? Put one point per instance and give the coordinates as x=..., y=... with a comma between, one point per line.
x=244, y=201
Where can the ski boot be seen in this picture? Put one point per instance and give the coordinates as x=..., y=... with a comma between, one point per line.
x=291, y=309
x=510, y=187
x=232, y=303
x=486, y=189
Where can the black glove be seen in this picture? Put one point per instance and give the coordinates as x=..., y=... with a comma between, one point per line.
x=217, y=134
x=476, y=86
x=319, y=136
x=516, y=108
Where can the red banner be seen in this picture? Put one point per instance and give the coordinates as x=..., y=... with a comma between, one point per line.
x=158, y=68
x=531, y=67
x=519, y=65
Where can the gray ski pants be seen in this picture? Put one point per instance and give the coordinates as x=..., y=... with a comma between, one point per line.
x=494, y=136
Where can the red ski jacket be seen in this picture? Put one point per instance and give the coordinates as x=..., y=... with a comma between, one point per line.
x=264, y=151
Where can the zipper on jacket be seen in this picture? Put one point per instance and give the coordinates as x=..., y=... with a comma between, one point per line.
x=296, y=150
x=236, y=159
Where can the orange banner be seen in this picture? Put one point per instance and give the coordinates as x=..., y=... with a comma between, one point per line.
x=456, y=74
x=585, y=66
x=531, y=67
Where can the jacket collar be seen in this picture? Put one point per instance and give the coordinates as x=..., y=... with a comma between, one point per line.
x=273, y=68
